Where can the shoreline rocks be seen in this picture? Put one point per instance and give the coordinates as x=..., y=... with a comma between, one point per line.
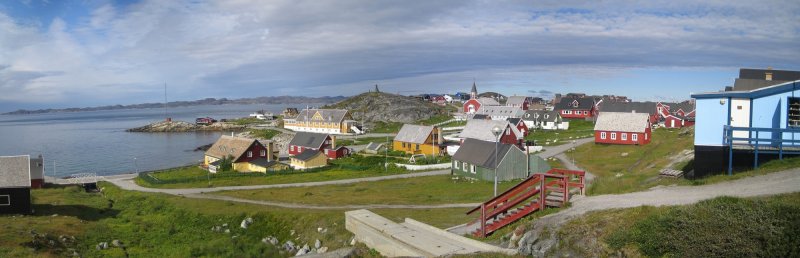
x=181, y=126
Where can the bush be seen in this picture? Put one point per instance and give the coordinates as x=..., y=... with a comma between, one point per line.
x=721, y=227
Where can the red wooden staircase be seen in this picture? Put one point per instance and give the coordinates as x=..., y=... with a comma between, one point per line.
x=532, y=194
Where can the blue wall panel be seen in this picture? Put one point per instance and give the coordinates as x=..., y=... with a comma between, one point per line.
x=710, y=118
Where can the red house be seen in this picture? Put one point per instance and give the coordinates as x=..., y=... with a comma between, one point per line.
x=622, y=128
x=317, y=141
x=577, y=107
x=676, y=115
x=474, y=103
x=519, y=101
x=519, y=124
x=481, y=129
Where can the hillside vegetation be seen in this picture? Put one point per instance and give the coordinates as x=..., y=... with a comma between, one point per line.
x=382, y=107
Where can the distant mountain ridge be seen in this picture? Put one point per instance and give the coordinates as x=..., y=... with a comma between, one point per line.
x=206, y=101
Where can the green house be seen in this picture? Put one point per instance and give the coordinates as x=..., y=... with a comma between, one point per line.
x=476, y=159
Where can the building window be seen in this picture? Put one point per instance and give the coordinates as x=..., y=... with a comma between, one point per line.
x=455, y=164
x=472, y=169
x=263, y=153
x=624, y=136
x=508, y=131
x=603, y=135
x=585, y=112
x=645, y=136
x=634, y=137
x=464, y=166
x=291, y=147
x=249, y=154
x=417, y=145
x=5, y=200
x=613, y=136
x=794, y=112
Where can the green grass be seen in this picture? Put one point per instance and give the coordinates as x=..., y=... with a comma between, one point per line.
x=385, y=127
x=159, y=225
x=636, y=171
x=246, y=121
x=720, y=227
x=264, y=133
x=435, y=119
x=194, y=177
x=367, y=140
x=420, y=190
x=578, y=128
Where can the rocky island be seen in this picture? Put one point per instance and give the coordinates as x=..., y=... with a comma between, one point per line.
x=181, y=126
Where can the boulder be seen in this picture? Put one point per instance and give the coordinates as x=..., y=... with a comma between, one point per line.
x=322, y=250
x=289, y=246
x=246, y=223
x=116, y=243
x=317, y=244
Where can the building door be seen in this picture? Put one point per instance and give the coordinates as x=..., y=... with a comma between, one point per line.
x=672, y=123
x=740, y=117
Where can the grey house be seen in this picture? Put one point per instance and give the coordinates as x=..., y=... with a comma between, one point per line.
x=476, y=159
x=15, y=185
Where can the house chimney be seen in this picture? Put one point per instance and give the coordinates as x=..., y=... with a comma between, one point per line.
x=333, y=142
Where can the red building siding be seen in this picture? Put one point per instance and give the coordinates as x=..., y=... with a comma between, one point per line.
x=338, y=153
x=642, y=138
x=576, y=113
x=255, y=149
x=37, y=183
x=472, y=102
x=522, y=128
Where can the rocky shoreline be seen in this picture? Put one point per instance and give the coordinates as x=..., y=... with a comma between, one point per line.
x=181, y=126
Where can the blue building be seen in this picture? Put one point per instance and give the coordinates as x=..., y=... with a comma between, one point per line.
x=738, y=127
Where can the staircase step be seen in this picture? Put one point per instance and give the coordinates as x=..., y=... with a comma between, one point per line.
x=554, y=203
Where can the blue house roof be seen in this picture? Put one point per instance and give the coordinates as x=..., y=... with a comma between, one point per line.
x=757, y=93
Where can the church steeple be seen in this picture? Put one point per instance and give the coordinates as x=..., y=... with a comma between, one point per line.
x=473, y=94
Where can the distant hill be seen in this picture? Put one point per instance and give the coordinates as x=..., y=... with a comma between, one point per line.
x=207, y=101
x=386, y=107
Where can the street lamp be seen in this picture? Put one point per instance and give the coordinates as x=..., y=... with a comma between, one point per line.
x=496, y=130
x=135, y=165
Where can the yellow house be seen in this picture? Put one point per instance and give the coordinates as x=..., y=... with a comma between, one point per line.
x=330, y=121
x=309, y=159
x=419, y=139
x=247, y=155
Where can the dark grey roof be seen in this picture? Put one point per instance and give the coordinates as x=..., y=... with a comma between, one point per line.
x=583, y=103
x=474, y=89
x=325, y=115
x=760, y=74
x=414, y=133
x=374, y=146
x=15, y=171
x=307, y=154
x=628, y=107
x=686, y=106
x=310, y=140
x=481, y=153
x=480, y=116
x=752, y=84
x=263, y=162
x=541, y=115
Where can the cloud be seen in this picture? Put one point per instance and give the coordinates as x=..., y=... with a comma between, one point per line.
x=245, y=48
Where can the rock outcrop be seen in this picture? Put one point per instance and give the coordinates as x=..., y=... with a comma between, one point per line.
x=386, y=107
x=181, y=126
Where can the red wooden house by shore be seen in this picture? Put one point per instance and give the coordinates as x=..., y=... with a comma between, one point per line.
x=622, y=128
x=324, y=143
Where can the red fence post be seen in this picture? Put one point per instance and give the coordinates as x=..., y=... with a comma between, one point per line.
x=483, y=220
x=542, y=193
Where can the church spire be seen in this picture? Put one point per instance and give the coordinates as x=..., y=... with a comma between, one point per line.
x=474, y=92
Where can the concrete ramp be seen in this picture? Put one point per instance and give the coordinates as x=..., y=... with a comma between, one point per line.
x=411, y=238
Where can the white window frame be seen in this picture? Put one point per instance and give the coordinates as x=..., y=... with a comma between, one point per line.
x=645, y=136
x=249, y=154
x=472, y=169
x=464, y=166
x=613, y=136
x=263, y=153
x=635, y=137
x=455, y=164
x=9, y=200
x=585, y=112
x=292, y=147
x=602, y=135
x=624, y=136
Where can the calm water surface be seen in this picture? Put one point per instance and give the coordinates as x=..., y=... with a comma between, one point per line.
x=97, y=142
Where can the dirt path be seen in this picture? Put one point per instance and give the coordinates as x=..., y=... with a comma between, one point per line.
x=771, y=184
x=338, y=207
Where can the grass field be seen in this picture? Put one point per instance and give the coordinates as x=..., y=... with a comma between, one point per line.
x=419, y=190
x=628, y=168
x=721, y=227
x=264, y=133
x=194, y=177
x=158, y=225
x=578, y=128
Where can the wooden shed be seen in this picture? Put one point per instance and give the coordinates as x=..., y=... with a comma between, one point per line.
x=15, y=185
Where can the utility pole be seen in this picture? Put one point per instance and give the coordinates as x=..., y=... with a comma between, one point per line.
x=386, y=155
x=166, y=115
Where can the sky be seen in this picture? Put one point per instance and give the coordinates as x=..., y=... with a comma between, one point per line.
x=77, y=53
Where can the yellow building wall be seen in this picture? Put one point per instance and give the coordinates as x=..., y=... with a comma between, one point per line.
x=425, y=149
x=208, y=159
x=318, y=161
